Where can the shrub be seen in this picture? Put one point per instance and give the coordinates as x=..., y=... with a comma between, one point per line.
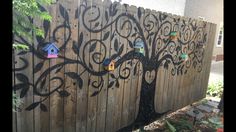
x=215, y=89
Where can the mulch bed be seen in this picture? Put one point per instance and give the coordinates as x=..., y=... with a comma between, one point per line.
x=183, y=122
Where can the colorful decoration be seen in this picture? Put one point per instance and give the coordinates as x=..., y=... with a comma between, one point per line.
x=109, y=65
x=51, y=50
x=139, y=47
x=173, y=35
x=184, y=56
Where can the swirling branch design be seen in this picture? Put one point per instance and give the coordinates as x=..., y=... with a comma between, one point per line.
x=153, y=29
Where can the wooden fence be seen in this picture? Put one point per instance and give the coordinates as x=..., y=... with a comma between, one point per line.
x=73, y=93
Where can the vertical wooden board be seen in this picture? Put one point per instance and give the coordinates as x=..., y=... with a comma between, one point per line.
x=193, y=85
x=159, y=90
x=138, y=90
x=180, y=91
x=23, y=75
x=205, y=61
x=133, y=78
x=25, y=117
x=120, y=91
x=139, y=65
x=210, y=46
x=103, y=97
x=130, y=92
x=82, y=93
x=126, y=83
x=188, y=83
x=169, y=76
x=177, y=93
x=170, y=79
x=165, y=90
x=113, y=90
x=14, y=121
x=36, y=60
x=200, y=24
x=41, y=117
x=71, y=84
x=184, y=90
x=197, y=90
x=93, y=100
x=198, y=75
x=175, y=90
x=56, y=101
x=18, y=64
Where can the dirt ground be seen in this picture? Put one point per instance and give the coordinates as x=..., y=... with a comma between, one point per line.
x=183, y=122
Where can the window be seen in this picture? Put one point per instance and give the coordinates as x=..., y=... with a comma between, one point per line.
x=220, y=36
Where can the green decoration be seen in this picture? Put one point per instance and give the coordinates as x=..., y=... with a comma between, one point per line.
x=173, y=33
x=184, y=56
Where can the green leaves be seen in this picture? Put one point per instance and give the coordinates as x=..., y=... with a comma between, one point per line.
x=23, y=12
x=18, y=46
x=171, y=127
x=215, y=89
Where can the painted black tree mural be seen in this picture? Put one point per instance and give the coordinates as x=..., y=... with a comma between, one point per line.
x=159, y=50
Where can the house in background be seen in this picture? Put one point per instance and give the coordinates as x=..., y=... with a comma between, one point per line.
x=211, y=11
x=208, y=10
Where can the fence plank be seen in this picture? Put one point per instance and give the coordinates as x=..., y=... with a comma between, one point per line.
x=23, y=75
x=14, y=114
x=41, y=118
x=82, y=93
x=133, y=78
x=105, y=53
x=56, y=100
x=25, y=117
x=71, y=85
x=125, y=27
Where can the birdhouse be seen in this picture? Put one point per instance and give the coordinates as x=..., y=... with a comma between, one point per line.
x=139, y=47
x=109, y=65
x=51, y=50
x=184, y=56
x=173, y=35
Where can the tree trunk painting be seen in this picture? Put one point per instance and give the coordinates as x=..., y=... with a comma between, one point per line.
x=152, y=29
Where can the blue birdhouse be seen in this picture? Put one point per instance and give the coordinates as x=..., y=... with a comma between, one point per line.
x=139, y=47
x=51, y=50
x=109, y=65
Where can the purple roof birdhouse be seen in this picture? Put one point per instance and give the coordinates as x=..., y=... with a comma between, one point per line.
x=51, y=50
